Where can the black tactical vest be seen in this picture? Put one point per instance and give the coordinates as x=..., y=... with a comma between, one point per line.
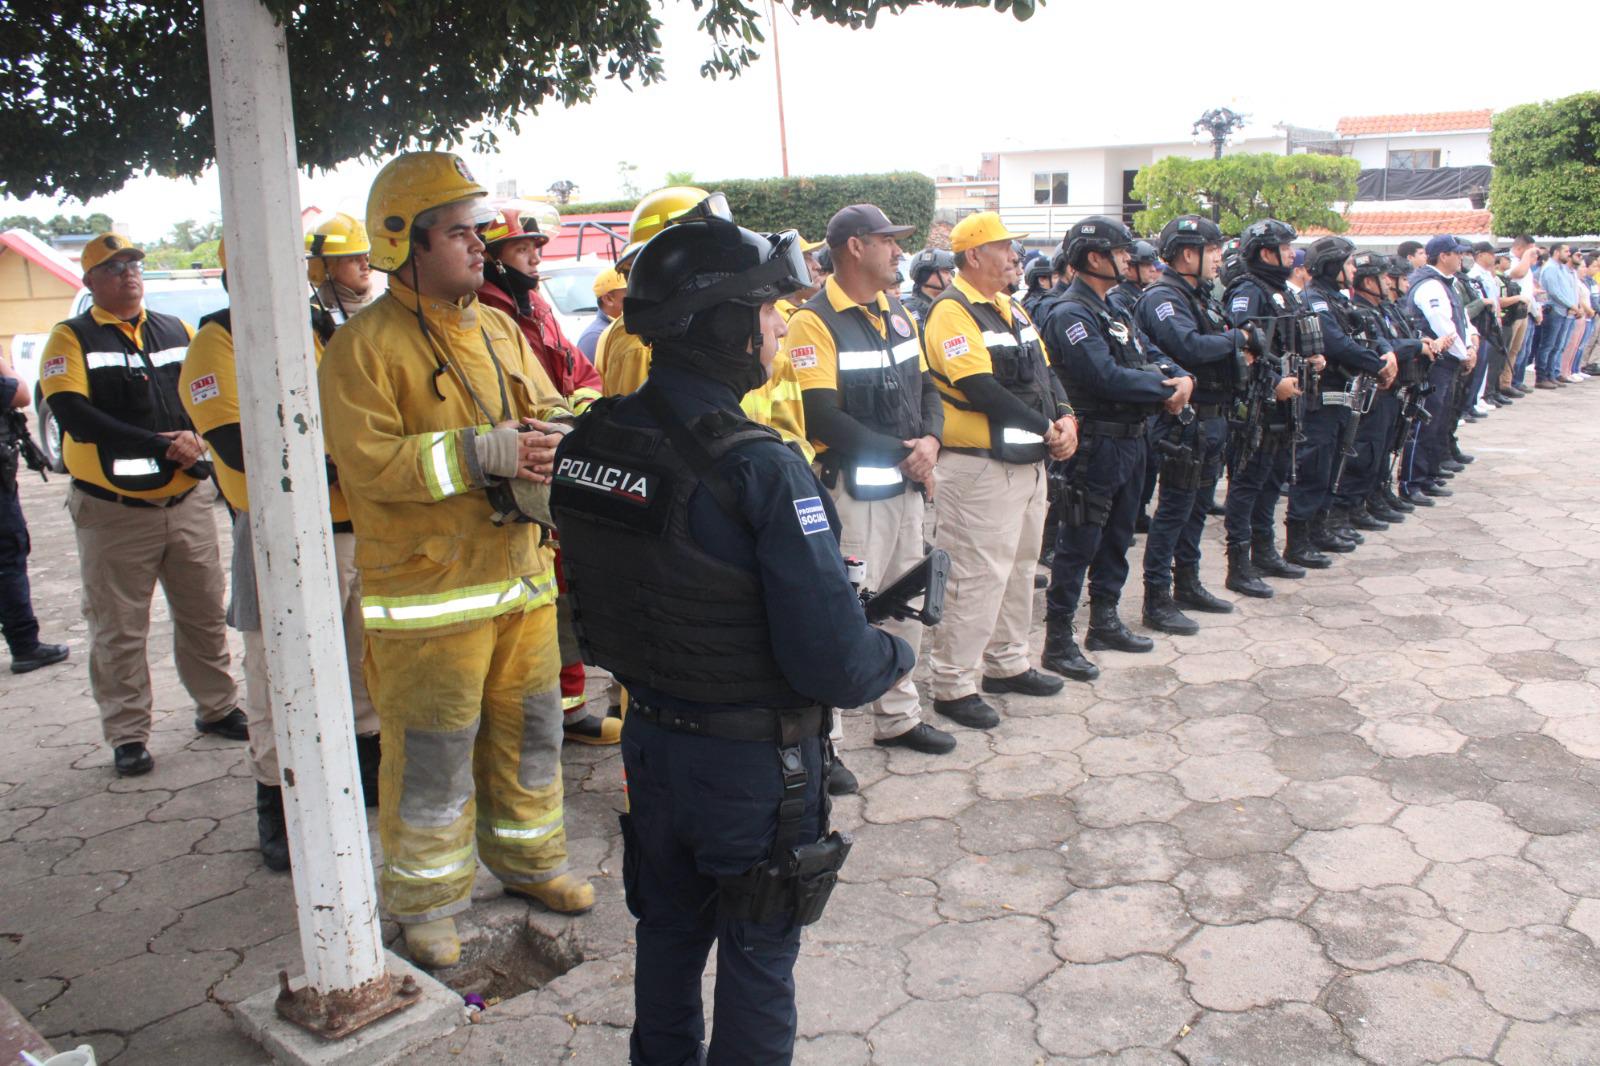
x=1123, y=339
x=1017, y=357
x=135, y=385
x=1213, y=382
x=1413, y=313
x=1355, y=325
x=648, y=604
x=879, y=382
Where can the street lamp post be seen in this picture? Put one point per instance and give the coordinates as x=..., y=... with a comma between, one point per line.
x=1219, y=122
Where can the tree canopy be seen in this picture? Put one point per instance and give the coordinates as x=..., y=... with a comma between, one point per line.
x=93, y=94
x=1297, y=189
x=1547, y=167
x=58, y=226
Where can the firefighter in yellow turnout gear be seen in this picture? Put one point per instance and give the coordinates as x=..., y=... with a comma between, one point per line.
x=429, y=399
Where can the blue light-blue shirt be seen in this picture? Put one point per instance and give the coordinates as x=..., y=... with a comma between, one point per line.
x=1561, y=285
x=589, y=340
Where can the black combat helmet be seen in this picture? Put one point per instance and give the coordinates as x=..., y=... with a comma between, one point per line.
x=1187, y=231
x=1326, y=256
x=928, y=261
x=1264, y=233
x=1144, y=254
x=1097, y=233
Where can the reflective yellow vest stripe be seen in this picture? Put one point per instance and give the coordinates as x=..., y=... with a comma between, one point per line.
x=458, y=605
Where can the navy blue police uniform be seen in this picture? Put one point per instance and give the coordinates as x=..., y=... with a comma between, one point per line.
x=1188, y=327
x=1255, y=485
x=704, y=564
x=17, y=620
x=1114, y=387
x=1366, y=471
x=1431, y=446
x=1347, y=356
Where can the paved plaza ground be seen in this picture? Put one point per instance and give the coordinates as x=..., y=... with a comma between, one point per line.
x=1357, y=823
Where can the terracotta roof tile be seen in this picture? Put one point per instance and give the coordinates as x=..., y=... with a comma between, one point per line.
x=1428, y=122
x=1411, y=223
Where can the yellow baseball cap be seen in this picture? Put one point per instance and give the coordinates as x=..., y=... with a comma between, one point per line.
x=108, y=246
x=810, y=246
x=608, y=280
x=984, y=227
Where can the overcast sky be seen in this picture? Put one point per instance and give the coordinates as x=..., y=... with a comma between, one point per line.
x=930, y=89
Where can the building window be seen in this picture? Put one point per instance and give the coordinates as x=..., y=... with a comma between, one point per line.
x=1414, y=159
x=1050, y=187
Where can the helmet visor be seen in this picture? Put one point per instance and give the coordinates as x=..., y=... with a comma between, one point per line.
x=713, y=206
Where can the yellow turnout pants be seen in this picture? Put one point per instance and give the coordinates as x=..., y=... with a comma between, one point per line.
x=471, y=725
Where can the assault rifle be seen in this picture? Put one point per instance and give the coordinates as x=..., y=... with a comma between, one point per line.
x=15, y=443
x=1362, y=392
x=1301, y=336
x=926, y=579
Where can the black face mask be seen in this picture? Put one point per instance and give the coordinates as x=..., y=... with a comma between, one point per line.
x=514, y=283
x=722, y=343
x=1273, y=272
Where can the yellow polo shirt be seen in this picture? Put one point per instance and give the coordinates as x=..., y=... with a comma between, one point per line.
x=952, y=342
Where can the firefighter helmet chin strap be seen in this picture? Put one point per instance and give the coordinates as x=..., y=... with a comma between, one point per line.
x=514, y=283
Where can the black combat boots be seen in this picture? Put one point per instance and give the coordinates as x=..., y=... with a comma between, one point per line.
x=1187, y=590
x=271, y=828
x=1162, y=614
x=1265, y=558
x=1106, y=630
x=1301, y=551
x=1243, y=577
x=1062, y=655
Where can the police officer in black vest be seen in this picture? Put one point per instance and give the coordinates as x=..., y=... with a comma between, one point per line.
x=1114, y=386
x=17, y=620
x=1040, y=278
x=1396, y=281
x=1141, y=271
x=1355, y=360
x=931, y=270
x=703, y=561
x=1366, y=473
x=1178, y=313
x=1258, y=294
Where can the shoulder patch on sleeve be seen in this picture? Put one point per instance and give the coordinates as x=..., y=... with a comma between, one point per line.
x=1434, y=302
x=1077, y=333
x=812, y=515
x=1240, y=303
x=55, y=366
x=1319, y=305
x=204, y=388
x=957, y=346
x=1165, y=311
x=804, y=357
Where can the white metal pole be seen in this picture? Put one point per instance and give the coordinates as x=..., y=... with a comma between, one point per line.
x=281, y=422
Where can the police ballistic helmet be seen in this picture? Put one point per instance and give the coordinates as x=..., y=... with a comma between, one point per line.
x=1326, y=256
x=1187, y=231
x=1398, y=267
x=691, y=268
x=1369, y=264
x=1039, y=270
x=1144, y=254
x=1264, y=233
x=1097, y=233
x=928, y=261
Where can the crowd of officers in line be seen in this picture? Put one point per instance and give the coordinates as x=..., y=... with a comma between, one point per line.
x=747, y=393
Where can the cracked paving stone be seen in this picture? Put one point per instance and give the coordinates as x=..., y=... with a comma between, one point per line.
x=1098, y=924
x=88, y=942
x=1386, y=699
x=1337, y=803
x=1561, y=1042
x=901, y=849
x=940, y=794
x=994, y=827
x=210, y=799
x=1223, y=735
x=1239, y=967
x=947, y=1031
x=1207, y=668
x=1097, y=858
x=1364, y=856
x=873, y=914
x=1308, y=717
x=1411, y=734
x=1571, y=859
x=29, y=996
x=1210, y=778
x=1465, y=829
x=1520, y=757
x=185, y=881
x=1008, y=777
x=1535, y=666
x=1408, y=1015
x=253, y=915
x=1276, y=654
x=1137, y=754
x=1535, y=973
x=1558, y=699
x=983, y=886
x=1490, y=716
x=166, y=984
x=1291, y=1033
x=136, y=847
x=258, y=968
x=1244, y=889
x=59, y=897
x=1045, y=733
x=1125, y=718
x=93, y=815
x=1433, y=779
x=965, y=959
x=1581, y=736
x=1497, y=893
x=1110, y=1006
x=1106, y=802
x=1311, y=758
x=203, y=1033
x=1376, y=928
x=1144, y=681
x=848, y=988
x=1235, y=827
x=22, y=861
x=833, y=1049
x=1549, y=806
x=13, y=820
x=1299, y=682
x=1223, y=697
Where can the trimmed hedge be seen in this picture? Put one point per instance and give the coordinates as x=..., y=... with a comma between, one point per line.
x=1547, y=167
x=771, y=204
